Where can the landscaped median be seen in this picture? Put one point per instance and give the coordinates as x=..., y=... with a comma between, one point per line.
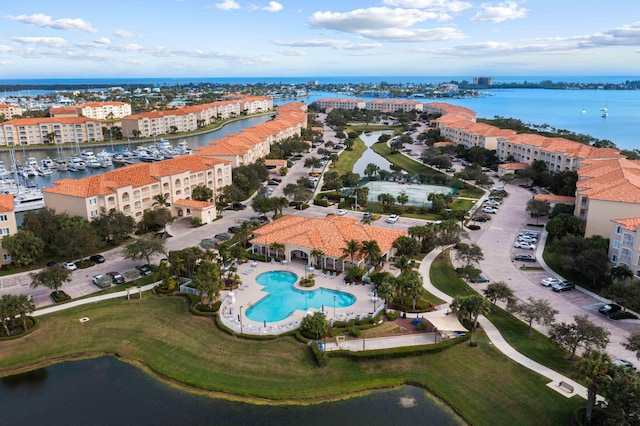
x=160, y=335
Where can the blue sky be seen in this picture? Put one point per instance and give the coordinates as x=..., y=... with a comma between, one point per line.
x=262, y=38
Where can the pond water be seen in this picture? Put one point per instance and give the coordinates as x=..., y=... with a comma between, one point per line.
x=104, y=391
x=370, y=156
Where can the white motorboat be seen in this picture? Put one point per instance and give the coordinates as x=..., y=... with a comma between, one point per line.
x=87, y=154
x=75, y=163
x=93, y=163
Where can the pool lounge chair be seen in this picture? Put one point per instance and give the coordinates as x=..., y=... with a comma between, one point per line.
x=333, y=274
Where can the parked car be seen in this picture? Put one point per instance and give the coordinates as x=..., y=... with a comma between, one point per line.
x=479, y=279
x=624, y=363
x=100, y=281
x=450, y=170
x=223, y=236
x=532, y=234
x=524, y=245
x=548, y=282
x=144, y=270
x=51, y=264
x=97, y=258
x=69, y=266
x=393, y=218
x=563, y=286
x=527, y=239
x=116, y=277
x=367, y=215
x=492, y=203
x=238, y=206
x=609, y=309
x=524, y=258
x=273, y=183
x=481, y=218
x=233, y=229
x=261, y=219
x=491, y=210
x=342, y=212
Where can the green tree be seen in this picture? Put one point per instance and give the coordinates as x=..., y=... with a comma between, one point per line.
x=202, y=193
x=469, y=254
x=184, y=261
x=161, y=200
x=276, y=246
x=620, y=273
x=538, y=310
x=371, y=251
x=404, y=263
x=262, y=204
x=403, y=199
x=498, y=291
x=208, y=281
x=8, y=310
x=621, y=393
x=581, y=332
x=411, y=283
x=314, y=326
x=317, y=253
x=114, y=226
x=406, y=246
x=537, y=208
x=24, y=305
x=24, y=247
x=351, y=249
x=633, y=344
x=594, y=368
x=471, y=307
x=52, y=278
x=371, y=170
x=144, y=248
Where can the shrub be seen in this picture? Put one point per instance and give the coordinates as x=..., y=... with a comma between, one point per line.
x=321, y=203
x=393, y=315
x=421, y=326
x=196, y=221
x=355, y=332
x=622, y=315
x=60, y=296
x=309, y=281
x=321, y=357
x=473, y=227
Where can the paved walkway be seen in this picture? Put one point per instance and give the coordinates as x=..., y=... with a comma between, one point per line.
x=498, y=341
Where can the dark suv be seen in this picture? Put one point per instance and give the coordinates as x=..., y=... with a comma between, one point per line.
x=563, y=286
x=524, y=258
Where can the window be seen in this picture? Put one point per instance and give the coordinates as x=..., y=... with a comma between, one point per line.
x=628, y=239
x=616, y=244
x=625, y=255
x=618, y=229
x=93, y=201
x=94, y=213
x=3, y=217
x=614, y=258
x=4, y=231
x=6, y=257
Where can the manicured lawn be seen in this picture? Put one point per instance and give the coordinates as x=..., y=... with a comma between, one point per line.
x=470, y=193
x=347, y=159
x=459, y=204
x=535, y=346
x=403, y=161
x=479, y=383
x=374, y=128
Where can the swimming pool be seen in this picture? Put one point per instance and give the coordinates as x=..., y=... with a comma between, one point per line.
x=283, y=299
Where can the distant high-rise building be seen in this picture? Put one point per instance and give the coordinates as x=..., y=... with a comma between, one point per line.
x=483, y=81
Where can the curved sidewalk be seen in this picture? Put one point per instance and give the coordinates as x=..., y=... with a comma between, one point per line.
x=499, y=342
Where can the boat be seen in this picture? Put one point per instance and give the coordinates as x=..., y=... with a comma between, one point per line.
x=87, y=154
x=93, y=163
x=4, y=173
x=31, y=167
x=48, y=163
x=605, y=111
x=44, y=171
x=24, y=198
x=183, y=148
x=75, y=163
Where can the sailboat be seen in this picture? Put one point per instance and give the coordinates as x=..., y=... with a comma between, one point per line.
x=605, y=111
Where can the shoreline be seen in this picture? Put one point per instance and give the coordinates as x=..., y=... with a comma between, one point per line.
x=233, y=397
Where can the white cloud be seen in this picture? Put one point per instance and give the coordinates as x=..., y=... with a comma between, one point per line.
x=374, y=18
x=415, y=35
x=102, y=40
x=324, y=42
x=274, y=6
x=42, y=20
x=123, y=33
x=4, y=48
x=227, y=5
x=294, y=52
x=500, y=12
x=43, y=41
x=443, y=5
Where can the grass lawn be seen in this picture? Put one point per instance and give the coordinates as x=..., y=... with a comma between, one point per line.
x=403, y=161
x=159, y=334
x=535, y=346
x=347, y=159
x=470, y=193
x=374, y=128
x=465, y=205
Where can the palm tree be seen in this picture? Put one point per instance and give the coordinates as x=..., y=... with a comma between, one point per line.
x=471, y=307
x=24, y=305
x=594, y=367
x=208, y=281
x=244, y=232
x=161, y=200
x=371, y=170
x=280, y=203
x=412, y=285
x=370, y=250
x=402, y=198
x=386, y=290
x=317, y=253
x=276, y=246
x=351, y=249
x=404, y=263
x=7, y=311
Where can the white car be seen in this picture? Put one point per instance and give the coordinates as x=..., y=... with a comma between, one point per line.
x=549, y=281
x=393, y=218
x=527, y=239
x=524, y=245
x=342, y=212
x=492, y=203
x=69, y=266
x=491, y=210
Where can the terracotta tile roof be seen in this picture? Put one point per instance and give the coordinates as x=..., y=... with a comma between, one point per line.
x=276, y=163
x=610, y=180
x=555, y=198
x=135, y=175
x=328, y=234
x=6, y=203
x=63, y=110
x=183, y=202
x=53, y=120
x=513, y=166
x=629, y=223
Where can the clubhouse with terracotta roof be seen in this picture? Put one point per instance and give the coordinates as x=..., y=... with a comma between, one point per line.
x=302, y=236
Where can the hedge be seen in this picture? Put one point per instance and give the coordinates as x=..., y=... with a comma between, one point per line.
x=32, y=324
x=60, y=296
x=321, y=357
x=400, y=352
x=321, y=203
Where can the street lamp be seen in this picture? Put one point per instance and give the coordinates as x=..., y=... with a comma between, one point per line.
x=241, y=319
x=334, y=306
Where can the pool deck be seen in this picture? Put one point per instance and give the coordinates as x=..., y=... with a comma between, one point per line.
x=251, y=292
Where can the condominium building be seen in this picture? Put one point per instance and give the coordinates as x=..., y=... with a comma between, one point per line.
x=35, y=131
x=97, y=110
x=131, y=189
x=10, y=111
x=393, y=105
x=8, y=225
x=624, y=244
x=340, y=103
